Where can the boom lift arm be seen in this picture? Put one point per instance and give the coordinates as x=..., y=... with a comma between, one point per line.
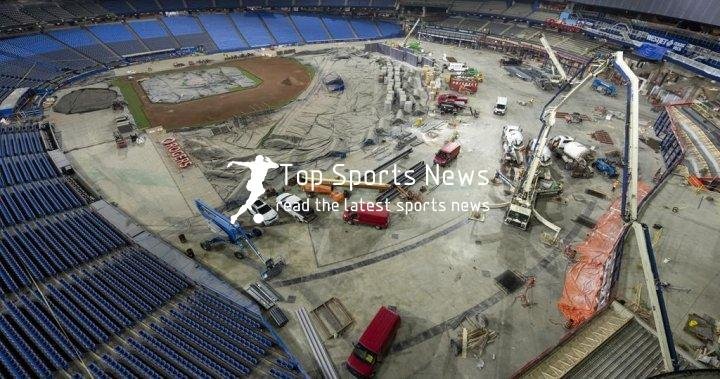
x=553, y=58
x=404, y=42
x=237, y=235
x=629, y=211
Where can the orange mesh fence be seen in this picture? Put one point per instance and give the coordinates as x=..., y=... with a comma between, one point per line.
x=584, y=280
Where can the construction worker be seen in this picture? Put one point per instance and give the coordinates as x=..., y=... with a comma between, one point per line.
x=615, y=185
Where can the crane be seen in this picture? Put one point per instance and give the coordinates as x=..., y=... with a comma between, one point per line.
x=236, y=235
x=521, y=206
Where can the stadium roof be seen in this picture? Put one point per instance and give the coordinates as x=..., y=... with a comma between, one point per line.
x=704, y=11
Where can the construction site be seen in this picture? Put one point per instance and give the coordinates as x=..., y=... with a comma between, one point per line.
x=483, y=193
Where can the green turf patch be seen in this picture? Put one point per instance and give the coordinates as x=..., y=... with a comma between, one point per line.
x=133, y=101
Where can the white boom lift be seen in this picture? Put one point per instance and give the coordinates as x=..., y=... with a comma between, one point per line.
x=404, y=42
x=560, y=71
x=522, y=204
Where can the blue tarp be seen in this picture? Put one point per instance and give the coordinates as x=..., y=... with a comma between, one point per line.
x=651, y=51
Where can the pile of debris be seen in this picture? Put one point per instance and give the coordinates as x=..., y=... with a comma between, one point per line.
x=707, y=330
x=473, y=336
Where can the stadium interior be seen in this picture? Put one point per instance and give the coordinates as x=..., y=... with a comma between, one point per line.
x=339, y=188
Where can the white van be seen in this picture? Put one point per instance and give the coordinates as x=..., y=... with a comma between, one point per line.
x=500, y=106
x=457, y=67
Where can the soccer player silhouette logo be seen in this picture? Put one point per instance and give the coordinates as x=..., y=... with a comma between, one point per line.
x=258, y=170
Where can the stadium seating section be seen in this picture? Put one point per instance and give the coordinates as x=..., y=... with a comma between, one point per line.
x=60, y=54
x=79, y=297
x=223, y=32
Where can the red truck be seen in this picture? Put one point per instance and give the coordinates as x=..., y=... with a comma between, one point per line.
x=374, y=343
x=368, y=214
x=444, y=98
x=447, y=154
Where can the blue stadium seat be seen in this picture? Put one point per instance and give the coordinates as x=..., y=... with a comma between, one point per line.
x=153, y=34
x=169, y=370
x=339, y=28
x=223, y=32
x=234, y=328
x=83, y=41
x=230, y=363
x=253, y=29
x=89, y=292
x=389, y=29
x=94, y=313
x=11, y=364
x=307, y=3
x=117, y=368
x=203, y=337
x=173, y=356
x=46, y=49
x=281, y=28
x=189, y=33
x=311, y=27
x=365, y=29
x=114, y=295
x=138, y=366
x=24, y=350
x=47, y=349
x=118, y=37
x=63, y=304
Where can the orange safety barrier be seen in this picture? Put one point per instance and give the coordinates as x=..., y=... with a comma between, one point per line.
x=695, y=181
x=584, y=280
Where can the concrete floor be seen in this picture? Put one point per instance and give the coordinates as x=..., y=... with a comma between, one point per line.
x=434, y=266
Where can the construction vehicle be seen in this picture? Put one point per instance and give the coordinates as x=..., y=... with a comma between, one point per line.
x=605, y=88
x=450, y=103
x=451, y=64
x=236, y=235
x=512, y=141
x=545, y=155
x=576, y=158
x=444, y=98
x=605, y=167
x=522, y=204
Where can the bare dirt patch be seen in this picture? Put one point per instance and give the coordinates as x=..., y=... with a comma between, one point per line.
x=283, y=79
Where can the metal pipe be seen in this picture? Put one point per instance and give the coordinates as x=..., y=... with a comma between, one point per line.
x=318, y=349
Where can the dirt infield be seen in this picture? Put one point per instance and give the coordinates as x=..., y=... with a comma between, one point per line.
x=283, y=79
